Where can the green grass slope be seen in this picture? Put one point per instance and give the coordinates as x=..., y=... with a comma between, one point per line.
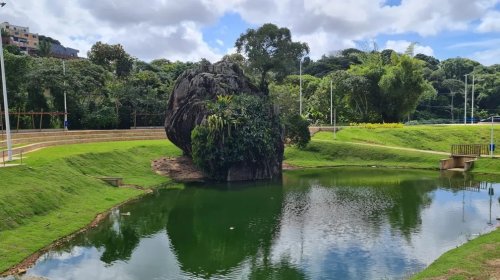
x=56, y=193
x=321, y=152
x=476, y=259
x=424, y=137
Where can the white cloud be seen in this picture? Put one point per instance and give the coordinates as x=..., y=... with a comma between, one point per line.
x=490, y=23
x=173, y=29
x=400, y=46
x=219, y=42
x=487, y=57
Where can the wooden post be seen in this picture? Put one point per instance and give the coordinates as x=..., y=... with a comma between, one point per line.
x=32, y=120
x=41, y=118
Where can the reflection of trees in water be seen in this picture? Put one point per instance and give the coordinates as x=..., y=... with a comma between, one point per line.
x=381, y=194
x=120, y=234
x=215, y=230
x=198, y=220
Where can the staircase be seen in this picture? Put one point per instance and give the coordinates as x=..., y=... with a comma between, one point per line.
x=24, y=142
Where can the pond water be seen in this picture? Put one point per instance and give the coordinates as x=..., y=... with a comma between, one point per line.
x=343, y=223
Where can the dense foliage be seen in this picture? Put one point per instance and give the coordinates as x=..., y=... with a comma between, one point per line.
x=240, y=128
x=270, y=48
x=109, y=90
x=297, y=130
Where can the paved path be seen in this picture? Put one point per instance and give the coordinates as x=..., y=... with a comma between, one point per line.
x=388, y=147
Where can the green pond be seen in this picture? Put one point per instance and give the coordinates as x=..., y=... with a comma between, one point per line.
x=341, y=223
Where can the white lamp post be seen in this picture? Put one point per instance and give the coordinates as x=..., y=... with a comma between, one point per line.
x=472, y=105
x=465, y=102
x=331, y=102
x=491, y=137
x=65, y=107
x=300, y=81
x=5, y=102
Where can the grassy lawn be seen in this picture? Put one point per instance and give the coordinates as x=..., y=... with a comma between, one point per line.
x=330, y=153
x=424, y=137
x=56, y=193
x=476, y=259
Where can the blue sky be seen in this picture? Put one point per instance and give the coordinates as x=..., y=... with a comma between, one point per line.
x=194, y=29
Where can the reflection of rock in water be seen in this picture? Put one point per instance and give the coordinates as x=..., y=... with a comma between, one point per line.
x=199, y=227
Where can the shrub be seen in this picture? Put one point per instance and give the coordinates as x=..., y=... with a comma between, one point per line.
x=377, y=125
x=297, y=130
x=241, y=128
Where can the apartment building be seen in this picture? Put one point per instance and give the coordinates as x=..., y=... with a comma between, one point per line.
x=20, y=36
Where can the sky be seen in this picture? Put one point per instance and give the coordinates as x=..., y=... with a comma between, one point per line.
x=189, y=30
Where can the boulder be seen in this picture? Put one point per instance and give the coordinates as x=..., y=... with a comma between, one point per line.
x=186, y=109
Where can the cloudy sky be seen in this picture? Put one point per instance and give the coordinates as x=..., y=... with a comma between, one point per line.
x=192, y=29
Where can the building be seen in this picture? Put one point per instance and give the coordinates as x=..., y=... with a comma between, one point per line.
x=20, y=36
x=60, y=51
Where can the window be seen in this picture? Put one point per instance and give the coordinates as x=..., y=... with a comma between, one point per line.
x=34, y=36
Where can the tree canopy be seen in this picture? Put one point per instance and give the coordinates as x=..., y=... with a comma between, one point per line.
x=270, y=48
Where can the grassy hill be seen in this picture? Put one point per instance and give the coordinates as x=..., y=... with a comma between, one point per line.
x=56, y=192
x=424, y=137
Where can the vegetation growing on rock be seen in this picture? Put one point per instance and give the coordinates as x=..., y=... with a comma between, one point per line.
x=239, y=130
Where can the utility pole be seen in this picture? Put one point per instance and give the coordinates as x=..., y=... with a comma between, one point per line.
x=65, y=106
x=472, y=106
x=465, y=102
x=491, y=137
x=331, y=102
x=300, y=81
x=5, y=103
x=452, y=117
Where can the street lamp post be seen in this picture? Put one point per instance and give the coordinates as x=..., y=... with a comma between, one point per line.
x=472, y=105
x=65, y=106
x=5, y=102
x=331, y=102
x=300, y=81
x=452, y=117
x=491, y=137
x=465, y=102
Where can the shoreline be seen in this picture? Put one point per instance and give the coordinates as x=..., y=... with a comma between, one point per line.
x=23, y=266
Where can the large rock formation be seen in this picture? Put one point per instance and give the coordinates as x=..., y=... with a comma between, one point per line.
x=186, y=109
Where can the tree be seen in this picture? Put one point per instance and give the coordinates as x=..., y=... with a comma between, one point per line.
x=112, y=57
x=456, y=68
x=44, y=48
x=401, y=87
x=270, y=48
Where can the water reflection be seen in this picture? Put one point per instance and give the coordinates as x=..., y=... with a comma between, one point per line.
x=315, y=224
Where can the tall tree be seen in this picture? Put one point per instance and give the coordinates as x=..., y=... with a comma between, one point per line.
x=270, y=48
x=112, y=57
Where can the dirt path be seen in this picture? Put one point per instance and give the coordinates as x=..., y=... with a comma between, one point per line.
x=180, y=169
x=389, y=147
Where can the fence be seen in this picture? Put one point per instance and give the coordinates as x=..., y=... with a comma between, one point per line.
x=469, y=149
x=35, y=119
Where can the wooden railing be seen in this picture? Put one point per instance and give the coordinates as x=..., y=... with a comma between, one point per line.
x=469, y=149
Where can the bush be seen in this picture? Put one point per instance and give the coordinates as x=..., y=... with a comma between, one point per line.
x=239, y=128
x=297, y=130
x=377, y=125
